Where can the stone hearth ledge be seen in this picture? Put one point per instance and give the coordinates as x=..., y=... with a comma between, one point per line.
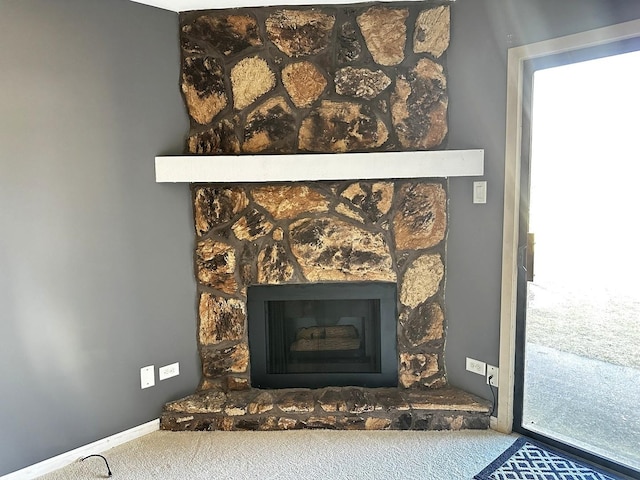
x=338, y=408
x=314, y=167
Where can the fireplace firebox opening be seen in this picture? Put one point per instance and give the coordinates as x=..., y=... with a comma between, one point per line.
x=320, y=335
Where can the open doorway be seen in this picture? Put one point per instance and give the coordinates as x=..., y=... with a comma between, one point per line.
x=578, y=330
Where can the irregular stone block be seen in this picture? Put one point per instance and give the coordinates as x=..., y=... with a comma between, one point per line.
x=250, y=79
x=216, y=265
x=385, y=33
x=330, y=249
x=298, y=33
x=220, y=319
x=324, y=423
x=274, y=266
x=447, y=398
x=349, y=47
x=419, y=106
x=261, y=404
x=390, y=399
x=203, y=88
x=229, y=34
x=421, y=217
x=416, y=367
x=204, y=402
x=341, y=127
x=361, y=82
x=238, y=402
x=403, y=422
x=218, y=140
x=347, y=211
x=358, y=401
x=297, y=401
x=289, y=201
x=233, y=359
x=216, y=206
x=423, y=324
x=331, y=400
x=270, y=127
x=303, y=82
x=289, y=424
x=232, y=384
x=373, y=423
x=252, y=226
x=432, y=32
x=422, y=280
x=373, y=199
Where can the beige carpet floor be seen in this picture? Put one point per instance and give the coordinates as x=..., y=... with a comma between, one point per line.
x=300, y=454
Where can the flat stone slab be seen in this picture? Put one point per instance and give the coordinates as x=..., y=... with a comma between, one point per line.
x=345, y=408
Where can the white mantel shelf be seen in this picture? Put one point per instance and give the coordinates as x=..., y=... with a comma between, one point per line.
x=312, y=167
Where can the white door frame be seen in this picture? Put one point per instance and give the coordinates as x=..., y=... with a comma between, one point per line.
x=517, y=56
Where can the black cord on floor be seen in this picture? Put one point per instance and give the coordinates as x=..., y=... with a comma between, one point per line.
x=105, y=461
x=495, y=400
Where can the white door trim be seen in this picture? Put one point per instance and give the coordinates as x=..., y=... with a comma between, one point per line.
x=516, y=58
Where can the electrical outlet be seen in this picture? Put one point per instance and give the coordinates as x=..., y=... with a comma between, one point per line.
x=147, y=377
x=476, y=366
x=492, y=372
x=169, y=371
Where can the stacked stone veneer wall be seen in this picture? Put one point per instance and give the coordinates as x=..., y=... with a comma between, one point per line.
x=316, y=79
x=321, y=232
x=319, y=79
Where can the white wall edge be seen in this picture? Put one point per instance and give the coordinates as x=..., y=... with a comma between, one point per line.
x=64, y=459
x=314, y=167
x=515, y=78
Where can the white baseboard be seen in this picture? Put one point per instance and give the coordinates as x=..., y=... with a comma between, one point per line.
x=64, y=459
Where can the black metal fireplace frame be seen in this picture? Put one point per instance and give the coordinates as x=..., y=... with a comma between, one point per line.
x=258, y=297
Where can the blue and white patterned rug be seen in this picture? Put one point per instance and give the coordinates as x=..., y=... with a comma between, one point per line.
x=529, y=460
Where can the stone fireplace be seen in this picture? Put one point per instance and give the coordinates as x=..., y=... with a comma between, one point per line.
x=353, y=78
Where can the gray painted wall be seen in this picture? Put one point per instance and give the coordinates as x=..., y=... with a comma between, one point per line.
x=96, y=276
x=482, y=31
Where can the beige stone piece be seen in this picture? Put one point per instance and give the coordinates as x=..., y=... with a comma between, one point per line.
x=204, y=402
x=304, y=83
x=261, y=404
x=423, y=324
x=250, y=79
x=432, y=32
x=385, y=33
x=361, y=82
x=289, y=201
x=419, y=106
x=373, y=423
x=298, y=33
x=373, y=199
x=270, y=127
x=218, y=140
x=446, y=398
x=232, y=384
x=343, y=209
x=216, y=263
x=274, y=266
x=420, y=221
x=220, y=319
x=422, y=280
x=297, y=401
x=229, y=34
x=233, y=359
x=331, y=400
x=216, y=206
x=203, y=88
x=251, y=226
x=329, y=249
x=341, y=127
x=416, y=367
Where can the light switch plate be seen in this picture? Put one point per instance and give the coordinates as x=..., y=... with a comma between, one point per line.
x=480, y=192
x=147, y=376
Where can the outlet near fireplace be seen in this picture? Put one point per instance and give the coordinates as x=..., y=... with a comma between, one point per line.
x=319, y=335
